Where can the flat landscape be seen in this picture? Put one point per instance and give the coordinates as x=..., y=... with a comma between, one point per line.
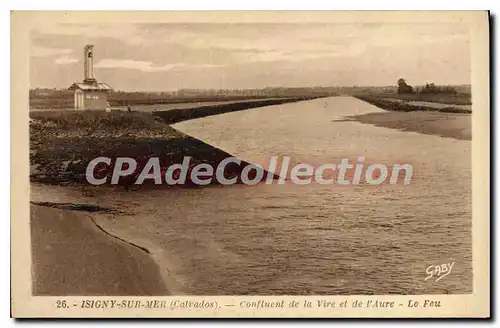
x=281, y=239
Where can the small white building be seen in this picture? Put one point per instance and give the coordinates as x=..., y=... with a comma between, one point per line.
x=90, y=94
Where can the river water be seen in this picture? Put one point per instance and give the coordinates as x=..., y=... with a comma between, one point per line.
x=308, y=239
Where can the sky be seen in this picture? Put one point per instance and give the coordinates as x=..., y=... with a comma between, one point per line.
x=166, y=57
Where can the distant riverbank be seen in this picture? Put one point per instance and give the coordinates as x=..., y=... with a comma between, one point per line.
x=410, y=105
x=177, y=115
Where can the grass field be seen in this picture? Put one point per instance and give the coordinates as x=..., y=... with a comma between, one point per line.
x=51, y=99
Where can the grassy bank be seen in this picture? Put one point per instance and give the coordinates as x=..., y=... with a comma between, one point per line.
x=443, y=98
x=63, y=143
x=402, y=106
x=182, y=114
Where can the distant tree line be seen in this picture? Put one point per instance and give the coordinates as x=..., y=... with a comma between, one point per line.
x=429, y=88
x=435, y=89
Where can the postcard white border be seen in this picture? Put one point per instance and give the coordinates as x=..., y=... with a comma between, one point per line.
x=470, y=305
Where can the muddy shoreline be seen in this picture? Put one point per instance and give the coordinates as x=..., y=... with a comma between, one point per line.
x=456, y=126
x=72, y=255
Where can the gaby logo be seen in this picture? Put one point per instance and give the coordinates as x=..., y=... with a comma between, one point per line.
x=103, y=170
x=439, y=271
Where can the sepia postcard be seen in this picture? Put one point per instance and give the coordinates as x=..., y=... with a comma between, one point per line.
x=250, y=164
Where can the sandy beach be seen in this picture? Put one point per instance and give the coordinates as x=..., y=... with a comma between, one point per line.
x=73, y=256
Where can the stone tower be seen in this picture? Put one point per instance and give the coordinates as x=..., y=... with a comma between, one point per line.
x=89, y=64
x=90, y=94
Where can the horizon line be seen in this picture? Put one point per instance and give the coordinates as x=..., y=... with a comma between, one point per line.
x=262, y=88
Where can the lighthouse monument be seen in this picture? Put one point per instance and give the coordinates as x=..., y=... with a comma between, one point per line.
x=90, y=94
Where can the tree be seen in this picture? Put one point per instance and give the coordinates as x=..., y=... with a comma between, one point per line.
x=403, y=87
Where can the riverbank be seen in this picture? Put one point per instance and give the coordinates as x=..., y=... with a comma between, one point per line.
x=456, y=126
x=72, y=255
x=462, y=97
x=63, y=143
x=404, y=106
